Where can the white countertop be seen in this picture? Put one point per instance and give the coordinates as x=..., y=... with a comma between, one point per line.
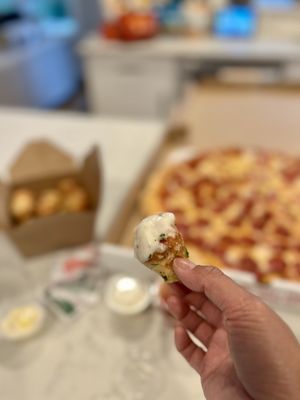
x=74, y=360
x=261, y=49
x=126, y=146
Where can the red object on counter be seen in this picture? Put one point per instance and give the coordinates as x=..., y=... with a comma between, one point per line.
x=134, y=26
x=110, y=30
x=131, y=26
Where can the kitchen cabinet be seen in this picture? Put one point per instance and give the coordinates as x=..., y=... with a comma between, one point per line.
x=131, y=86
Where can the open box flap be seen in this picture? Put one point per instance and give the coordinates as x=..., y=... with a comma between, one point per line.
x=91, y=174
x=4, y=217
x=40, y=159
x=218, y=117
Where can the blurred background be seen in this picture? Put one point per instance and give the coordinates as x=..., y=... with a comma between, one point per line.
x=147, y=83
x=93, y=56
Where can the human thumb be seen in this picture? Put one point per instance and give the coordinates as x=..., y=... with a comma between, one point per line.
x=218, y=288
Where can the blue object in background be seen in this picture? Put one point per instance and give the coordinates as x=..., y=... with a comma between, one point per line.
x=170, y=14
x=235, y=21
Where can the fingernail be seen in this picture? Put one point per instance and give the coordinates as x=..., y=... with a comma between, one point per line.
x=183, y=263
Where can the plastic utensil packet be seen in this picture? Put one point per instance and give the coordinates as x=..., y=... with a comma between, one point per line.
x=74, y=284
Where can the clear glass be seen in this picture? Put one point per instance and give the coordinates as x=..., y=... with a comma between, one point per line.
x=139, y=372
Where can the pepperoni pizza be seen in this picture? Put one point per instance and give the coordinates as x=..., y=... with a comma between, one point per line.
x=235, y=208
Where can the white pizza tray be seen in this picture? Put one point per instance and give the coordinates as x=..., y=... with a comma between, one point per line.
x=279, y=294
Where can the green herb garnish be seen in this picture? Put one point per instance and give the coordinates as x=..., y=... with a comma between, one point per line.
x=164, y=276
x=186, y=253
x=66, y=306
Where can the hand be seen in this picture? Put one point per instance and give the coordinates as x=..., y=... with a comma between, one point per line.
x=250, y=353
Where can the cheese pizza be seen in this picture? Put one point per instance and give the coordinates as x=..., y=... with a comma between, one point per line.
x=235, y=208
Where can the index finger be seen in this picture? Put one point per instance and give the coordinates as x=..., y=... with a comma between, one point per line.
x=198, y=301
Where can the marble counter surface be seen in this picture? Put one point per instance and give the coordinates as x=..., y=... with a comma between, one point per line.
x=100, y=355
x=97, y=356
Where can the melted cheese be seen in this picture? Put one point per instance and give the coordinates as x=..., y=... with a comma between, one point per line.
x=290, y=257
x=262, y=255
x=150, y=231
x=182, y=199
x=234, y=254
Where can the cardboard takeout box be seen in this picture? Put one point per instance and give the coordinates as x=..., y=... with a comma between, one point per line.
x=40, y=165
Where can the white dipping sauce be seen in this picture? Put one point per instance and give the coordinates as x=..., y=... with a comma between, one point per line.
x=126, y=295
x=22, y=322
x=150, y=231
